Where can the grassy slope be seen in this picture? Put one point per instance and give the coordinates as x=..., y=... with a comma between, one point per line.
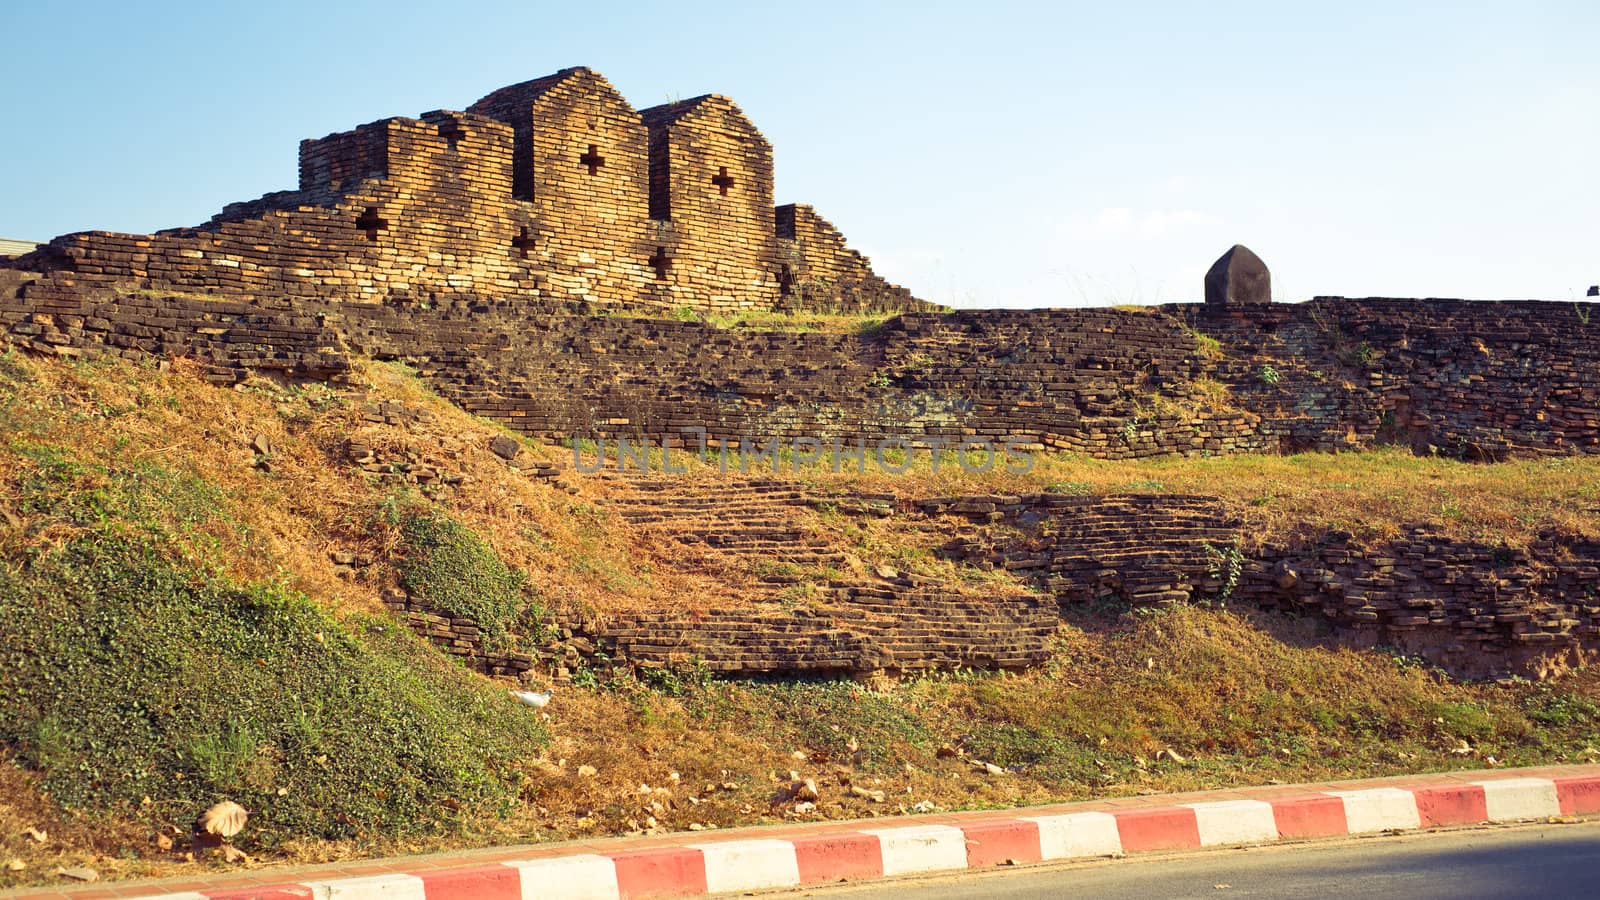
x=174, y=630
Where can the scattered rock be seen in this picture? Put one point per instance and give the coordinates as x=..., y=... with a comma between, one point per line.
x=806, y=807
x=1172, y=755
x=261, y=444
x=79, y=873
x=39, y=835
x=223, y=820
x=886, y=573
x=587, y=771
x=505, y=447
x=948, y=752
x=15, y=865
x=1284, y=575
x=857, y=790
x=163, y=843
x=805, y=789
x=234, y=855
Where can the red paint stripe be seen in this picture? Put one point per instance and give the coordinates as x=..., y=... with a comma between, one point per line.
x=275, y=892
x=838, y=857
x=1168, y=828
x=1311, y=816
x=476, y=883
x=1451, y=805
x=997, y=842
x=671, y=872
x=1579, y=796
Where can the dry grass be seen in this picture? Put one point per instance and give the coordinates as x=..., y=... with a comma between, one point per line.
x=287, y=521
x=1245, y=699
x=1372, y=494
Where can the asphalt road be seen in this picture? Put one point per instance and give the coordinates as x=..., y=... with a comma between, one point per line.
x=1523, y=861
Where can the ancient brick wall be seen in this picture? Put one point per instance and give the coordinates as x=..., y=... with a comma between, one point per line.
x=1480, y=380
x=1483, y=379
x=711, y=178
x=438, y=221
x=886, y=621
x=581, y=161
x=1477, y=380
x=819, y=271
x=1475, y=609
x=541, y=193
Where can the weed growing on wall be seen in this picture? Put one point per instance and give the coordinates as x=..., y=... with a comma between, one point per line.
x=451, y=570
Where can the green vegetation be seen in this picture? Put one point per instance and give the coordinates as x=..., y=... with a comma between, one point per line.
x=175, y=629
x=1240, y=697
x=137, y=682
x=454, y=572
x=771, y=320
x=1208, y=346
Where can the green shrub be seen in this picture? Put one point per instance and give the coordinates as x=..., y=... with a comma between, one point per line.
x=453, y=571
x=125, y=675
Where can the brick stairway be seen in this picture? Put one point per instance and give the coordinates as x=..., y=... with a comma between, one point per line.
x=885, y=621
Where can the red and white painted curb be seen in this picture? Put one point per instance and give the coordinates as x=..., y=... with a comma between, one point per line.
x=725, y=866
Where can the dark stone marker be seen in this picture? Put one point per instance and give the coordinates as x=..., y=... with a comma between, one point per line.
x=1594, y=290
x=1238, y=278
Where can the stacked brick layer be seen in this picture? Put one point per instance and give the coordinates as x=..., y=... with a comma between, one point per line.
x=1480, y=380
x=552, y=191
x=1477, y=610
x=1484, y=380
x=890, y=621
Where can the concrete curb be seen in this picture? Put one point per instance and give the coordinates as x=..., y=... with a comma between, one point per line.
x=679, y=866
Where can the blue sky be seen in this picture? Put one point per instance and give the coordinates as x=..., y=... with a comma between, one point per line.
x=984, y=154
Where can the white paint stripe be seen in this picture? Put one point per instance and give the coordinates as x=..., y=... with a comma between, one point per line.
x=1511, y=799
x=1234, y=822
x=586, y=876
x=1075, y=835
x=921, y=848
x=747, y=865
x=375, y=887
x=1378, y=809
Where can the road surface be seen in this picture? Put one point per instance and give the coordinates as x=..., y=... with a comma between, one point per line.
x=1547, y=861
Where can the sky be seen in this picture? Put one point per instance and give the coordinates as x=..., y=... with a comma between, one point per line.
x=982, y=154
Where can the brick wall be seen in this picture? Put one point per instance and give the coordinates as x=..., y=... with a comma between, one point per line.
x=437, y=221
x=1475, y=609
x=1486, y=380
x=819, y=271
x=543, y=193
x=1469, y=379
x=581, y=162
x=711, y=178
